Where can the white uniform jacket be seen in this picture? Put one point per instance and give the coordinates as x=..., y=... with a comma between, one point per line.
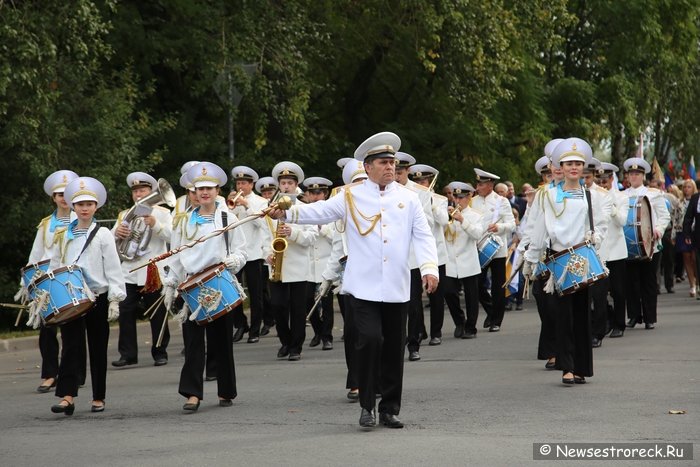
x=614, y=245
x=208, y=253
x=256, y=232
x=495, y=209
x=380, y=226
x=563, y=225
x=160, y=237
x=320, y=251
x=660, y=217
x=295, y=265
x=461, y=240
x=99, y=262
x=426, y=199
x=441, y=218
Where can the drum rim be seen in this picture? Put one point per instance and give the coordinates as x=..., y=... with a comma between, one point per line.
x=33, y=265
x=210, y=272
x=83, y=301
x=72, y=268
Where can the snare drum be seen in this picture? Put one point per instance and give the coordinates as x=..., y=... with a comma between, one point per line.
x=68, y=295
x=488, y=247
x=33, y=272
x=575, y=268
x=639, y=231
x=210, y=294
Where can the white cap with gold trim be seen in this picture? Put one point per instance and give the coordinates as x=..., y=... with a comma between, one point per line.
x=317, y=183
x=572, y=149
x=542, y=165
x=343, y=161
x=57, y=181
x=288, y=169
x=384, y=144
x=85, y=189
x=549, y=147
x=242, y=172
x=353, y=170
x=637, y=164
x=266, y=183
x=460, y=188
x=206, y=174
x=139, y=179
x=484, y=176
x=419, y=171
x=186, y=166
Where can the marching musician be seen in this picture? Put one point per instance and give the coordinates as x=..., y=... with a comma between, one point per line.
x=462, y=233
x=383, y=219
x=54, y=186
x=318, y=189
x=267, y=186
x=497, y=218
x=416, y=322
x=93, y=250
x=564, y=223
x=156, y=222
x=641, y=274
x=616, y=248
x=256, y=234
x=426, y=176
x=289, y=269
x=229, y=249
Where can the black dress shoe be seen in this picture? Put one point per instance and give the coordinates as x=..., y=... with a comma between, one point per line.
x=435, y=341
x=315, y=341
x=487, y=323
x=579, y=380
x=567, y=380
x=190, y=407
x=238, y=335
x=160, y=362
x=550, y=365
x=97, y=408
x=265, y=330
x=43, y=389
x=469, y=334
x=121, y=362
x=327, y=345
x=225, y=402
x=459, y=331
x=617, y=333
x=64, y=409
x=649, y=325
x=494, y=328
x=294, y=357
x=253, y=340
x=367, y=419
x=413, y=356
x=595, y=342
x=390, y=420
x=353, y=395
x=632, y=322
x=283, y=352
x=210, y=378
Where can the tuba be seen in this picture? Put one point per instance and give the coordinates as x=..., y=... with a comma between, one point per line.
x=136, y=244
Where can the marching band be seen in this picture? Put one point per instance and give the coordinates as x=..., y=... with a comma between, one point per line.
x=378, y=243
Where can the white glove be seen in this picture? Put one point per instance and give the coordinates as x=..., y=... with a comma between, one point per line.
x=528, y=269
x=113, y=311
x=590, y=237
x=21, y=295
x=324, y=288
x=168, y=293
x=337, y=287
x=233, y=263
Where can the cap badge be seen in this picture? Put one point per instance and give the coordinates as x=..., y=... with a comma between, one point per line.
x=573, y=147
x=204, y=170
x=285, y=172
x=65, y=178
x=82, y=185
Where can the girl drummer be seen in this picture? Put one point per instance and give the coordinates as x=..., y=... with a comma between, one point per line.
x=92, y=248
x=228, y=249
x=564, y=223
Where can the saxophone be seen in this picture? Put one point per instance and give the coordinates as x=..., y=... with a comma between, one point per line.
x=279, y=245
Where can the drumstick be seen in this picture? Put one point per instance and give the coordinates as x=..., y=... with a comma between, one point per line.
x=282, y=204
x=162, y=328
x=14, y=305
x=154, y=307
x=19, y=315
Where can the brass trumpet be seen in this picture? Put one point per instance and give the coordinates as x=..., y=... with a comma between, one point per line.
x=231, y=202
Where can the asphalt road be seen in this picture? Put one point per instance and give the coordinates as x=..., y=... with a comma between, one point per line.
x=467, y=402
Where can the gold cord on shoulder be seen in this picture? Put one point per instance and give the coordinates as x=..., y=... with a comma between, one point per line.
x=353, y=210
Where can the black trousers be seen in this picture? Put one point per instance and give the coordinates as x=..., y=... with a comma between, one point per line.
x=48, y=347
x=471, y=299
x=268, y=312
x=210, y=364
x=95, y=324
x=574, y=351
x=641, y=289
x=416, y=323
x=547, y=309
x=322, y=319
x=497, y=306
x=289, y=302
x=618, y=285
x=381, y=333
x=220, y=345
x=598, y=293
x=437, y=305
x=349, y=342
x=253, y=271
x=128, y=310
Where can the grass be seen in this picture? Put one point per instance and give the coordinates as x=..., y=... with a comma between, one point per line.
x=13, y=333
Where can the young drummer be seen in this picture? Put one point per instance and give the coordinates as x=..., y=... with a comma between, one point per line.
x=228, y=249
x=565, y=223
x=54, y=186
x=92, y=248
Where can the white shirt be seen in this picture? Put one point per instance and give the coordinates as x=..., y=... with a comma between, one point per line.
x=461, y=240
x=660, y=217
x=208, y=253
x=256, y=232
x=99, y=262
x=495, y=209
x=378, y=262
x=160, y=236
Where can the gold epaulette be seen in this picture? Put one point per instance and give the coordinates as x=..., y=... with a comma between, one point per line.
x=420, y=187
x=177, y=218
x=601, y=189
x=43, y=222
x=440, y=197
x=654, y=190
